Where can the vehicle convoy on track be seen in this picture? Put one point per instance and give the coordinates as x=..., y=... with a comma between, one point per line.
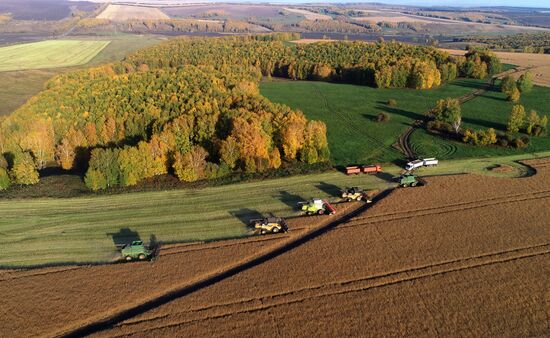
x=269, y=225
x=136, y=250
x=355, y=194
x=317, y=206
x=427, y=162
x=407, y=180
x=365, y=169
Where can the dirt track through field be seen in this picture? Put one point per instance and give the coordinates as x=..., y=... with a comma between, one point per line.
x=404, y=141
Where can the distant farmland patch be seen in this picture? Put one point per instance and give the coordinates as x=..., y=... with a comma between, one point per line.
x=224, y=10
x=49, y=54
x=36, y=9
x=308, y=14
x=123, y=13
x=393, y=19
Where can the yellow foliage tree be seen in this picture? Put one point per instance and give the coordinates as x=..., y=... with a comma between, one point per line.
x=292, y=135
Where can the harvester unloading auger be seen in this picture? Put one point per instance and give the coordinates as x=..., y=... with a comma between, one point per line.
x=317, y=206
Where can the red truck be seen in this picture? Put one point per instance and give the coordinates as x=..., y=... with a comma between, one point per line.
x=366, y=169
x=371, y=169
x=353, y=169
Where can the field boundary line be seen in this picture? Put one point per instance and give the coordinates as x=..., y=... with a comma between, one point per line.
x=439, y=212
x=372, y=282
x=491, y=199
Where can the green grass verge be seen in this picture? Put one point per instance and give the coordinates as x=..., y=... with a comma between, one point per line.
x=44, y=231
x=49, y=54
x=350, y=112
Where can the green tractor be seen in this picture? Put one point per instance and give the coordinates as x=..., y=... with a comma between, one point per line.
x=135, y=251
x=269, y=225
x=407, y=180
x=317, y=206
x=355, y=194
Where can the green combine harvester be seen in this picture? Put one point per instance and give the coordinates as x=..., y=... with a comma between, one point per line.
x=408, y=180
x=136, y=251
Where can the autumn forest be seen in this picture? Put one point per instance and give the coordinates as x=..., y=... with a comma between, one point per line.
x=191, y=107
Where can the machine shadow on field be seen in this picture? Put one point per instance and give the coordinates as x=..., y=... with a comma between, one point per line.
x=125, y=236
x=385, y=176
x=291, y=200
x=245, y=215
x=329, y=189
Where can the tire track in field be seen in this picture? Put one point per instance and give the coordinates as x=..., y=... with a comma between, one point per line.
x=437, y=212
x=404, y=140
x=346, y=286
x=392, y=216
x=19, y=274
x=503, y=197
x=351, y=125
x=106, y=320
x=200, y=246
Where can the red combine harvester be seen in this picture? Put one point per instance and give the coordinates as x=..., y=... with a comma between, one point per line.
x=366, y=169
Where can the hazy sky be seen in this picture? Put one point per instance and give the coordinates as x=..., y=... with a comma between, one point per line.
x=457, y=3
x=515, y=3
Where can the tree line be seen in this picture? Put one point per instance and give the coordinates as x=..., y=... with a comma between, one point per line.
x=522, y=42
x=382, y=64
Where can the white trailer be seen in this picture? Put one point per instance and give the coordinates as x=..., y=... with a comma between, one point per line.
x=427, y=162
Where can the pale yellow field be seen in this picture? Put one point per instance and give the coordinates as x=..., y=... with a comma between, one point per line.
x=393, y=19
x=124, y=12
x=309, y=15
x=538, y=64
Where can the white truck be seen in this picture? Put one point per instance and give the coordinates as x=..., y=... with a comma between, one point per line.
x=426, y=162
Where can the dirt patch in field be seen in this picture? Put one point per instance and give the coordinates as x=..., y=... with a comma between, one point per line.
x=308, y=14
x=467, y=253
x=538, y=64
x=124, y=12
x=502, y=169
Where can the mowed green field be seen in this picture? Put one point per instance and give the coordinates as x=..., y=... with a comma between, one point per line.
x=49, y=54
x=78, y=230
x=48, y=231
x=26, y=83
x=490, y=110
x=350, y=111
